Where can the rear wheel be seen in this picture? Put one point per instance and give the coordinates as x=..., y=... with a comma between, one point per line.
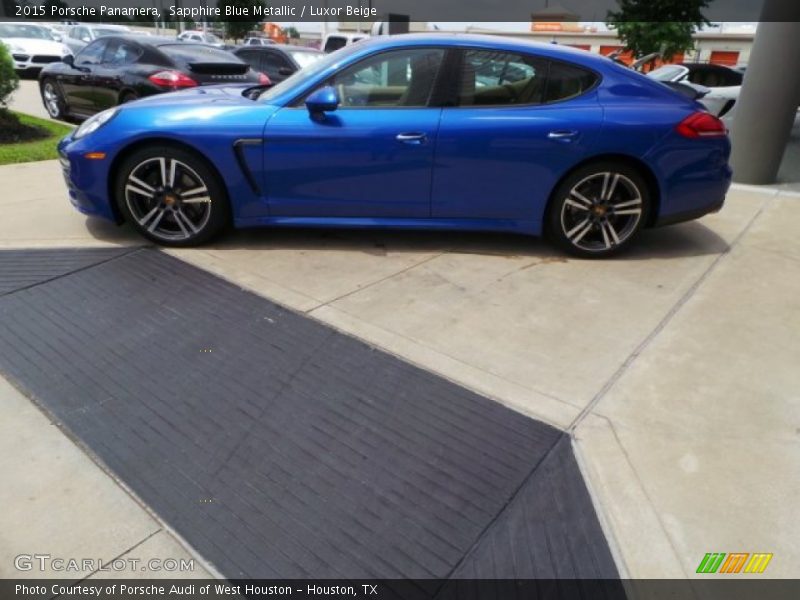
x=52, y=99
x=172, y=196
x=598, y=210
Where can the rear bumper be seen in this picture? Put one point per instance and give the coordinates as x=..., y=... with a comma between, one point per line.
x=689, y=215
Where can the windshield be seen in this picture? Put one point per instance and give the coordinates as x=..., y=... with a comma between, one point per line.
x=7, y=30
x=212, y=39
x=667, y=73
x=301, y=77
x=305, y=58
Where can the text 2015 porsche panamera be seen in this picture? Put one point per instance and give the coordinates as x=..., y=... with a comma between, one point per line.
x=416, y=131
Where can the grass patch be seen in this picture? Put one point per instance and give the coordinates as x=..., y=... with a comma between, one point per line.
x=40, y=149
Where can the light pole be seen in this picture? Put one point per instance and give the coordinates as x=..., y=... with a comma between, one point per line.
x=767, y=106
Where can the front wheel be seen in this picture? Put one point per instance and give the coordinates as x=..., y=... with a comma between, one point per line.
x=172, y=196
x=598, y=210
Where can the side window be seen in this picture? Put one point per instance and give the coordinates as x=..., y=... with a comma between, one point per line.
x=492, y=78
x=565, y=81
x=391, y=79
x=120, y=52
x=251, y=58
x=333, y=43
x=92, y=54
x=272, y=63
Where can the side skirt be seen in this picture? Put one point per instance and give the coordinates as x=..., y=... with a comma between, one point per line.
x=500, y=225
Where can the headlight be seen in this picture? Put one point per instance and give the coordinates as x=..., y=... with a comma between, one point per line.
x=94, y=123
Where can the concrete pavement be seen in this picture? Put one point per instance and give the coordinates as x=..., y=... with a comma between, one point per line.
x=674, y=366
x=28, y=100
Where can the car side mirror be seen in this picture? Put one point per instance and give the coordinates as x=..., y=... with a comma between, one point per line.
x=69, y=60
x=286, y=71
x=323, y=100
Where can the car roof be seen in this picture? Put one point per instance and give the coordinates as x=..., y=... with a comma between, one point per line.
x=283, y=47
x=495, y=42
x=154, y=40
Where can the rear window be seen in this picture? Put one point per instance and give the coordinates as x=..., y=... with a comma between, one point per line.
x=197, y=53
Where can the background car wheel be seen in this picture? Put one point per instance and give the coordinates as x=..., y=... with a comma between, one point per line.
x=172, y=196
x=127, y=97
x=598, y=210
x=52, y=99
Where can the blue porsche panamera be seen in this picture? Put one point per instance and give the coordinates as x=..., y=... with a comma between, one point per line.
x=414, y=131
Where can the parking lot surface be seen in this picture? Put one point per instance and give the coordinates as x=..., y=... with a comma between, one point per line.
x=673, y=367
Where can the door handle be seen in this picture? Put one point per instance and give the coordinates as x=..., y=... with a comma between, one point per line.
x=411, y=138
x=562, y=135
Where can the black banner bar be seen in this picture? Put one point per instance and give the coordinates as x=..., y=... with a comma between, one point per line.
x=469, y=11
x=713, y=587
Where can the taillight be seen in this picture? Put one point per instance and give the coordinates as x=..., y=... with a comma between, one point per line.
x=263, y=79
x=701, y=125
x=172, y=79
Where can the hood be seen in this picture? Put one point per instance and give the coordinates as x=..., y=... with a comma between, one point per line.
x=207, y=108
x=34, y=46
x=204, y=94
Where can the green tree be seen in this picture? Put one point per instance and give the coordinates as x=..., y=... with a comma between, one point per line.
x=664, y=26
x=292, y=33
x=8, y=77
x=240, y=26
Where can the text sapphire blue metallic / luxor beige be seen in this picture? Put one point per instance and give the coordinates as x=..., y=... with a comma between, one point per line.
x=421, y=131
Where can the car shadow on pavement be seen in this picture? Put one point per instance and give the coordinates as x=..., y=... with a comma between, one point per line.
x=677, y=241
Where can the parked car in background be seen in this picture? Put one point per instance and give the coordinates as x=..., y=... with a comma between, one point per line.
x=118, y=69
x=201, y=37
x=335, y=41
x=724, y=83
x=569, y=144
x=258, y=41
x=31, y=46
x=278, y=61
x=78, y=36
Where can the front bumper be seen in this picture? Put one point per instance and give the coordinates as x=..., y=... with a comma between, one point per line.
x=86, y=180
x=27, y=62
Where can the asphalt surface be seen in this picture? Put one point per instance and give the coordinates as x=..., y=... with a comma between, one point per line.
x=279, y=447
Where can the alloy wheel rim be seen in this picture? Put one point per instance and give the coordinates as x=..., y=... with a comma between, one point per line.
x=168, y=198
x=51, y=100
x=601, y=212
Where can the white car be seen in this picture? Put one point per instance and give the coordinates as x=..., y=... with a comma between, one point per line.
x=201, y=37
x=31, y=46
x=82, y=34
x=725, y=83
x=334, y=41
x=258, y=41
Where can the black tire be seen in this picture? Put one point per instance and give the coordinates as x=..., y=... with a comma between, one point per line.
x=598, y=209
x=126, y=97
x=187, y=207
x=53, y=100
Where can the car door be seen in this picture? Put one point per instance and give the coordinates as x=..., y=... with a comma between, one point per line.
x=79, y=84
x=517, y=123
x=373, y=156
